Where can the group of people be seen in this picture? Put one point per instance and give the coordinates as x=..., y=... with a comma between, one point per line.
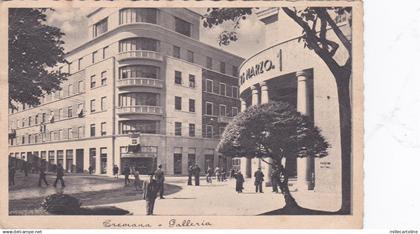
x=277, y=180
x=42, y=175
x=152, y=187
x=220, y=174
x=194, y=170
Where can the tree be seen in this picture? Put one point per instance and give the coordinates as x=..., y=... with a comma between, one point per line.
x=273, y=130
x=315, y=22
x=34, y=50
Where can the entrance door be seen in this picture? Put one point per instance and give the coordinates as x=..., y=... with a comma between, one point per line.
x=209, y=161
x=79, y=160
x=177, y=164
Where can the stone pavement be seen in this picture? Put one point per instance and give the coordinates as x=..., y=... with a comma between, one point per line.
x=218, y=198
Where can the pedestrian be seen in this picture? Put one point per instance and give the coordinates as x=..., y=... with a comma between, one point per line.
x=160, y=179
x=90, y=170
x=26, y=168
x=223, y=174
x=126, y=173
x=232, y=172
x=217, y=172
x=60, y=175
x=190, y=174
x=209, y=175
x=137, y=180
x=150, y=190
x=12, y=172
x=239, y=182
x=197, y=175
x=42, y=176
x=275, y=179
x=115, y=170
x=259, y=178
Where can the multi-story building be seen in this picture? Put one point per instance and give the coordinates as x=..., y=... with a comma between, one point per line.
x=143, y=78
x=287, y=71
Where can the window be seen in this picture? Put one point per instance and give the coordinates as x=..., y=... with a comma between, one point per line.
x=100, y=27
x=94, y=54
x=176, y=52
x=183, y=27
x=178, y=103
x=190, y=56
x=192, y=105
x=103, y=128
x=36, y=119
x=192, y=81
x=222, y=89
x=235, y=71
x=92, y=130
x=222, y=67
x=81, y=86
x=142, y=126
x=80, y=132
x=235, y=91
x=103, y=78
x=178, y=128
x=137, y=71
x=103, y=103
x=30, y=121
x=222, y=109
x=209, y=86
x=60, y=114
x=80, y=109
x=92, y=105
x=44, y=116
x=209, y=63
x=139, y=43
x=209, y=108
x=70, y=133
x=70, y=112
x=192, y=130
x=23, y=140
x=79, y=64
x=209, y=131
x=60, y=134
x=105, y=52
x=23, y=122
x=92, y=81
x=70, y=91
x=29, y=138
x=178, y=77
x=133, y=15
x=234, y=111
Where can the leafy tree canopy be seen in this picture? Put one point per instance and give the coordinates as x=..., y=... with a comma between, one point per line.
x=35, y=48
x=272, y=130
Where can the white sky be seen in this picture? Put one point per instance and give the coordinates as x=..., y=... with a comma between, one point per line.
x=251, y=32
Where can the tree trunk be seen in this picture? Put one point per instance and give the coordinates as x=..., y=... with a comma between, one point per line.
x=343, y=90
x=290, y=202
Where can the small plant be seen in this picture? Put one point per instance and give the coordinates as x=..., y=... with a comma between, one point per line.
x=61, y=204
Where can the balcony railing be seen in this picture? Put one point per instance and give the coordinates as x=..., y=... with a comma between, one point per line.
x=140, y=81
x=154, y=110
x=224, y=119
x=140, y=54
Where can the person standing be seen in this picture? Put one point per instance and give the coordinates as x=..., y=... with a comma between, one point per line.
x=223, y=174
x=190, y=174
x=160, y=179
x=209, y=175
x=232, y=172
x=197, y=175
x=60, y=175
x=126, y=173
x=90, y=169
x=259, y=178
x=239, y=182
x=275, y=173
x=26, y=168
x=150, y=190
x=42, y=176
x=12, y=172
x=115, y=170
x=217, y=172
x=137, y=180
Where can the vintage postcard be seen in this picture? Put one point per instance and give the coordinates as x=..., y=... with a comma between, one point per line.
x=121, y=114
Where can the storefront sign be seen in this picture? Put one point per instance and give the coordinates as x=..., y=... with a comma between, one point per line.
x=138, y=155
x=257, y=69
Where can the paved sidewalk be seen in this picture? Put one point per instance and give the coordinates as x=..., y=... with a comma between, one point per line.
x=218, y=198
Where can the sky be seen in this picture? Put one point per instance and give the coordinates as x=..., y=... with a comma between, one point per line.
x=251, y=32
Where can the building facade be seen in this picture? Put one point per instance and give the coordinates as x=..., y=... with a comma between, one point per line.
x=142, y=91
x=287, y=71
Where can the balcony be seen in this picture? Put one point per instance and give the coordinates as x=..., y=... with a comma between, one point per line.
x=140, y=54
x=151, y=110
x=224, y=119
x=140, y=81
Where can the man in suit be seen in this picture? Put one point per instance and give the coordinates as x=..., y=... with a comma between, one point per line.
x=150, y=190
x=197, y=175
x=42, y=176
x=60, y=175
x=160, y=178
x=259, y=178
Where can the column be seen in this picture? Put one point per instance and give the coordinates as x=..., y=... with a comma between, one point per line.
x=303, y=107
x=255, y=93
x=243, y=104
x=268, y=168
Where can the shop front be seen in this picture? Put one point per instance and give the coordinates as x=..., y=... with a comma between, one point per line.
x=144, y=161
